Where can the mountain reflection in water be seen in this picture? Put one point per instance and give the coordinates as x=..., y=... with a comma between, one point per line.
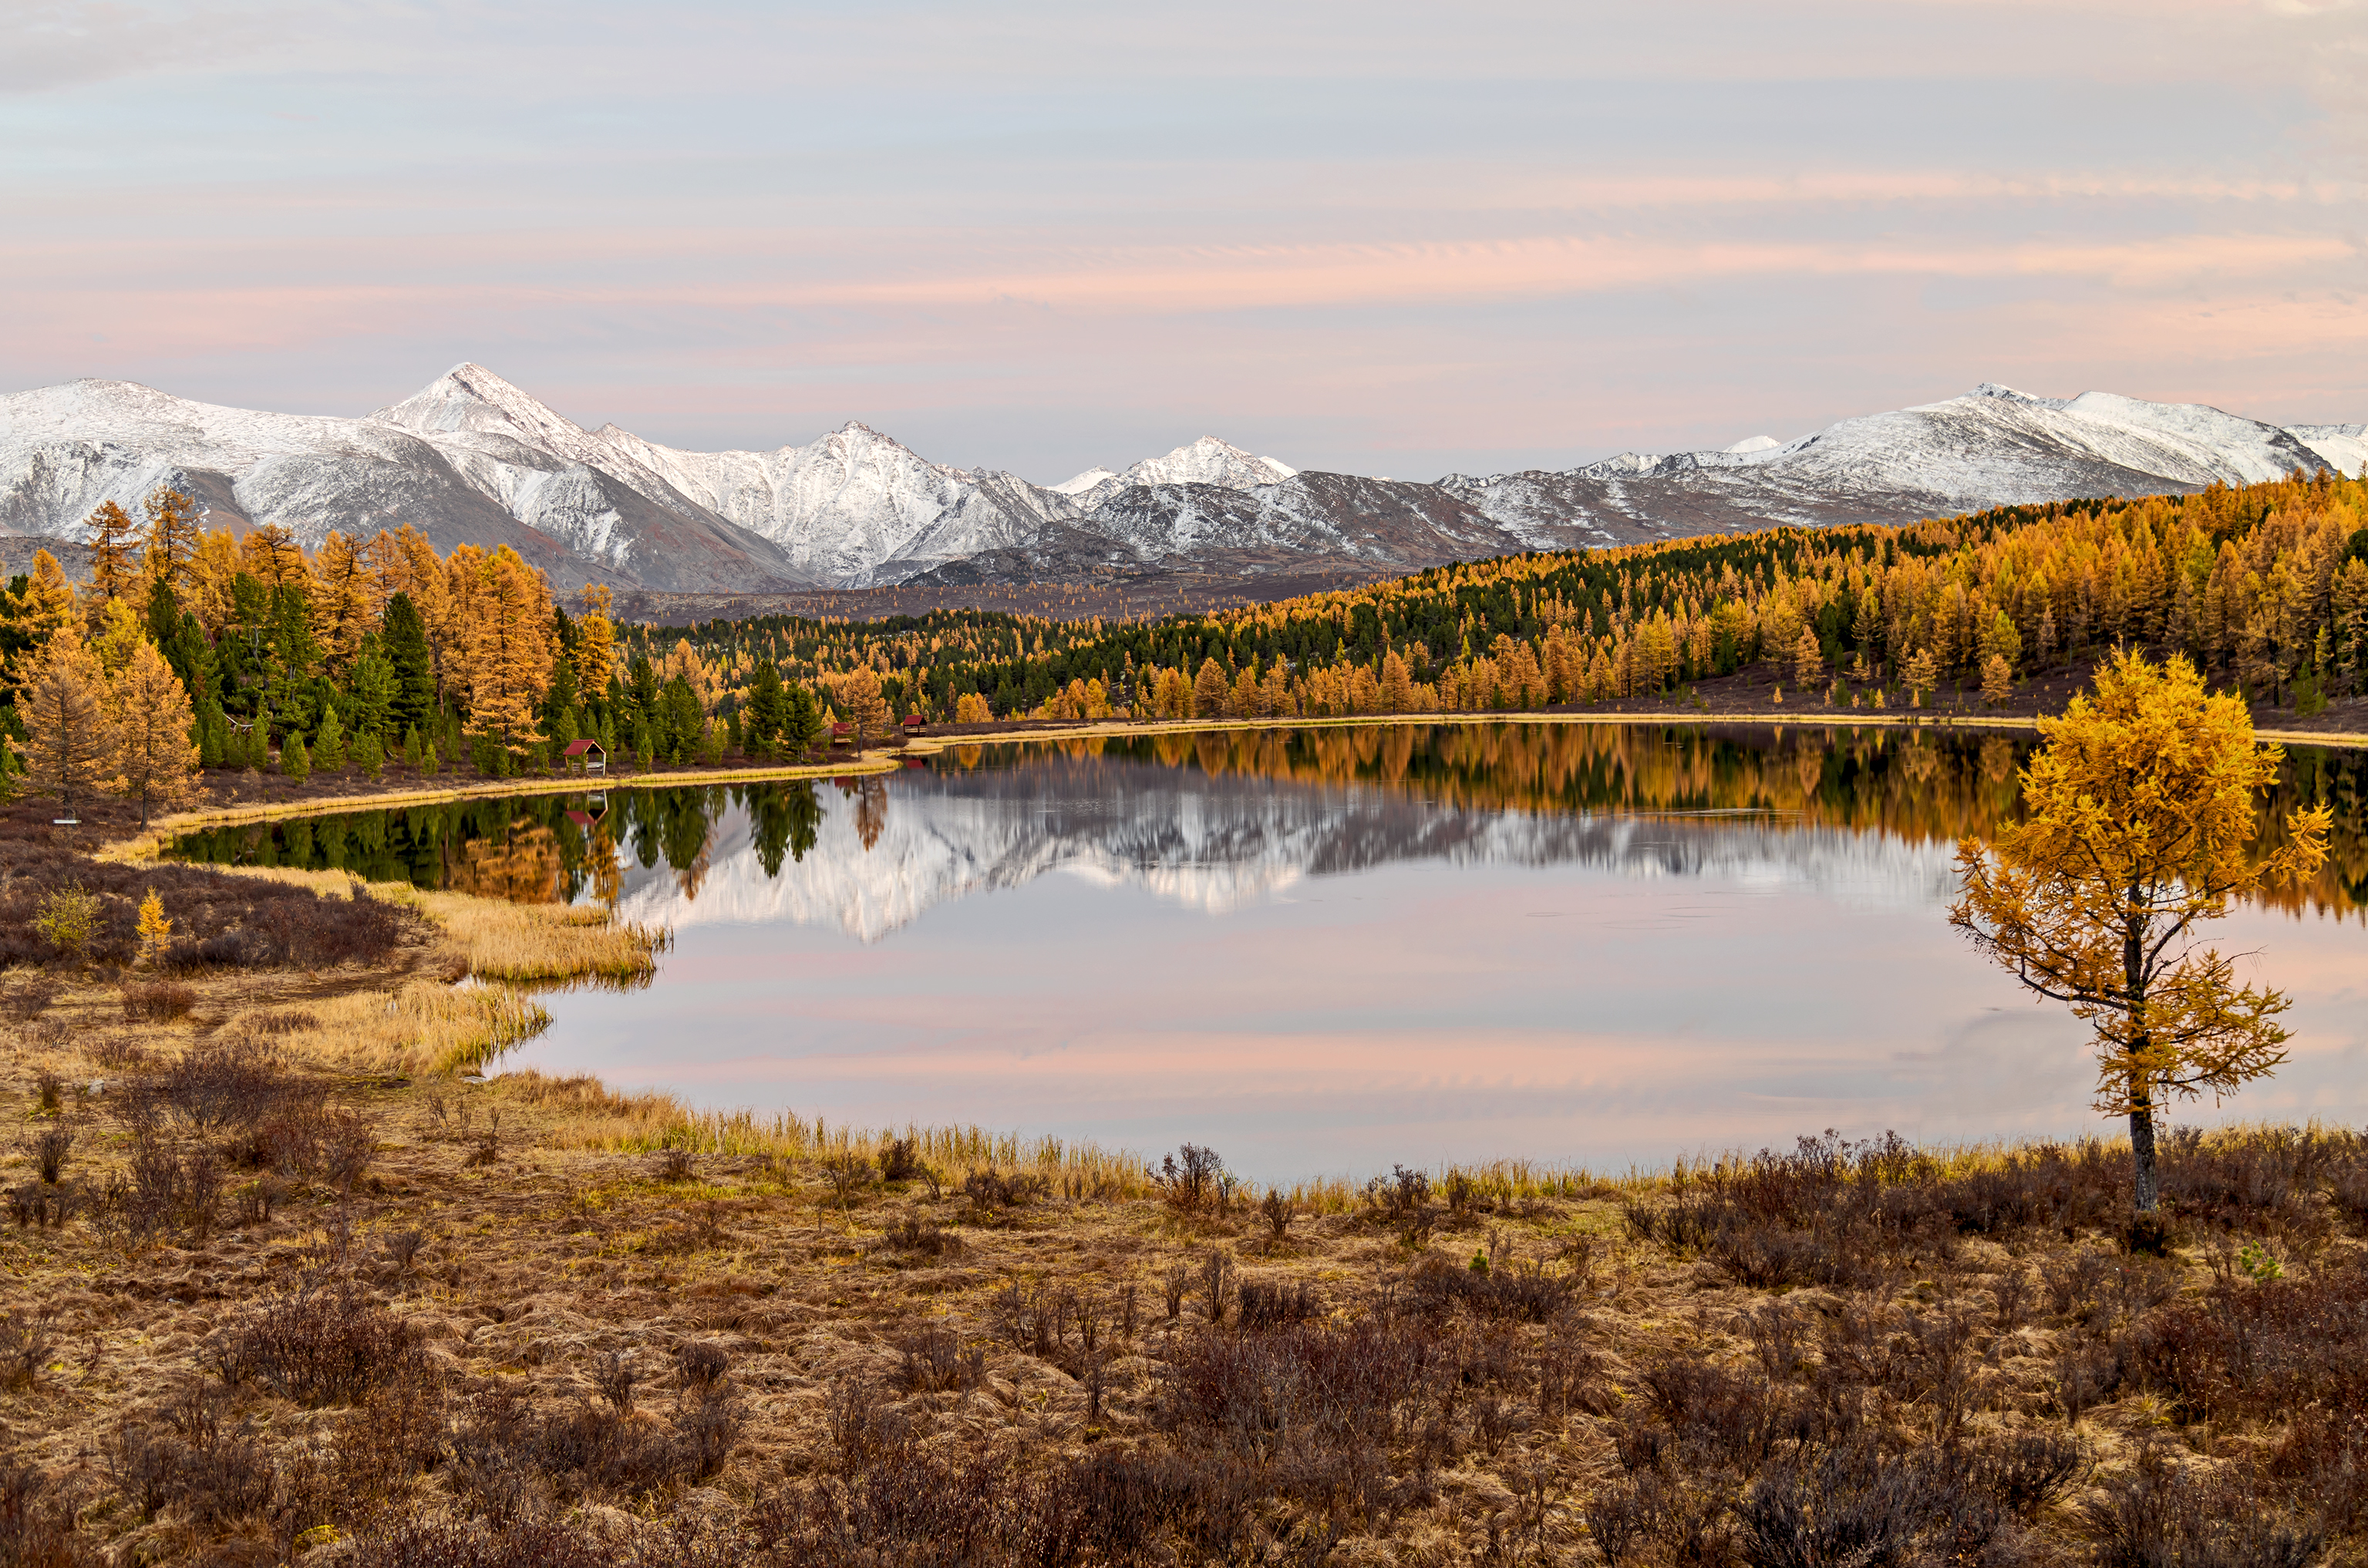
x=1334, y=948
x=1218, y=818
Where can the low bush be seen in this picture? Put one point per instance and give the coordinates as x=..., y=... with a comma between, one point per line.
x=919, y=1233
x=158, y=1002
x=210, y=1088
x=329, y=1345
x=2159, y=1513
x=36, y=1526
x=990, y=1190
x=1190, y=1180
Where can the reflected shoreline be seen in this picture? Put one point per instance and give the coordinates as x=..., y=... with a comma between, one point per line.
x=1919, y=786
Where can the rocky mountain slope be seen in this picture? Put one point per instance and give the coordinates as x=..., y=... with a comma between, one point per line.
x=472, y=457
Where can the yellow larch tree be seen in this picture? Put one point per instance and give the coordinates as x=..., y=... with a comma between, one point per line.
x=509, y=656
x=174, y=530
x=113, y=532
x=406, y=563
x=344, y=600
x=119, y=628
x=271, y=555
x=2139, y=811
x=49, y=597
x=862, y=704
x=213, y=568
x=156, y=762
x=69, y=740
x=596, y=639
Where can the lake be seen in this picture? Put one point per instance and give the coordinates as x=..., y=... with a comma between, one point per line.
x=1324, y=950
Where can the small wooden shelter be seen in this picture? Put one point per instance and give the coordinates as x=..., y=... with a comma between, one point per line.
x=589, y=754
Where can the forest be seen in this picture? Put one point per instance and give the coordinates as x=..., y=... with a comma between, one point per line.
x=2264, y=585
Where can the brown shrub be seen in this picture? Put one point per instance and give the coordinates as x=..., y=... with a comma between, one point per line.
x=35, y=1527
x=159, y=1001
x=318, y=1347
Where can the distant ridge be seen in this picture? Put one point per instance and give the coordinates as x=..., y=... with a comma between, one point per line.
x=472, y=458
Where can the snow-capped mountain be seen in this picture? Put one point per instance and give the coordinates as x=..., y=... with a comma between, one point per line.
x=856, y=506
x=1205, y=461
x=1992, y=447
x=472, y=458
x=1226, y=841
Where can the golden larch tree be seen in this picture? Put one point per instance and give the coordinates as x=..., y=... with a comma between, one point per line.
x=509, y=648
x=68, y=738
x=406, y=563
x=113, y=532
x=212, y=569
x=156, y=762
x=862, y=704
x=2139, y=809
x=49, y=597
x=345, y=601
x=271, y=555
x=174, y=530
x=596, y=639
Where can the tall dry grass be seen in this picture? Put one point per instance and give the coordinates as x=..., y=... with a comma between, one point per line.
x=539, y=943
x=588, y=1114
x=521, y=943
x=421, y=1028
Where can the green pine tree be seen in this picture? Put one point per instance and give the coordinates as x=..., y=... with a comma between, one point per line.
x=329, y=742
x=368, y=755
x=403, y=642
x=294, y=761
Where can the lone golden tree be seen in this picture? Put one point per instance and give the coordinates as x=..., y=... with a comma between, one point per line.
x=2140, y=806
x=156, y=762
x=68, y=738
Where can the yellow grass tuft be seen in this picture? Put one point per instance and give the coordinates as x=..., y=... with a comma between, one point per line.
x=531, y=943
x=423, y=1028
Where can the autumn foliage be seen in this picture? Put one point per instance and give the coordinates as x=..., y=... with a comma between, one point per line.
x=2140, y=811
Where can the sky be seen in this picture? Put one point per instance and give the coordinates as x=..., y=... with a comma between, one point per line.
x=1383, y=237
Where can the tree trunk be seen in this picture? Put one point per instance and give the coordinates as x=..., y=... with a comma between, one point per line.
x=2149, y=1186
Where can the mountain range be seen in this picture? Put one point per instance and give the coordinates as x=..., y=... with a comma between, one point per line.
x=472, y=458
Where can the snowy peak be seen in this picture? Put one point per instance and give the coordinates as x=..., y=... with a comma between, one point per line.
x=468, y=397
x=1210, y=462
x=1205, y=461
x=1084, y=482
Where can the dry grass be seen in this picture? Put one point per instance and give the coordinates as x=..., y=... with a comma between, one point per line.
x=586, y=1115
x=545, y=943
x=423, y=1026
x=521, y=943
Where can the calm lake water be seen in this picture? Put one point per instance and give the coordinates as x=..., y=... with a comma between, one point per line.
x=1324, y=951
